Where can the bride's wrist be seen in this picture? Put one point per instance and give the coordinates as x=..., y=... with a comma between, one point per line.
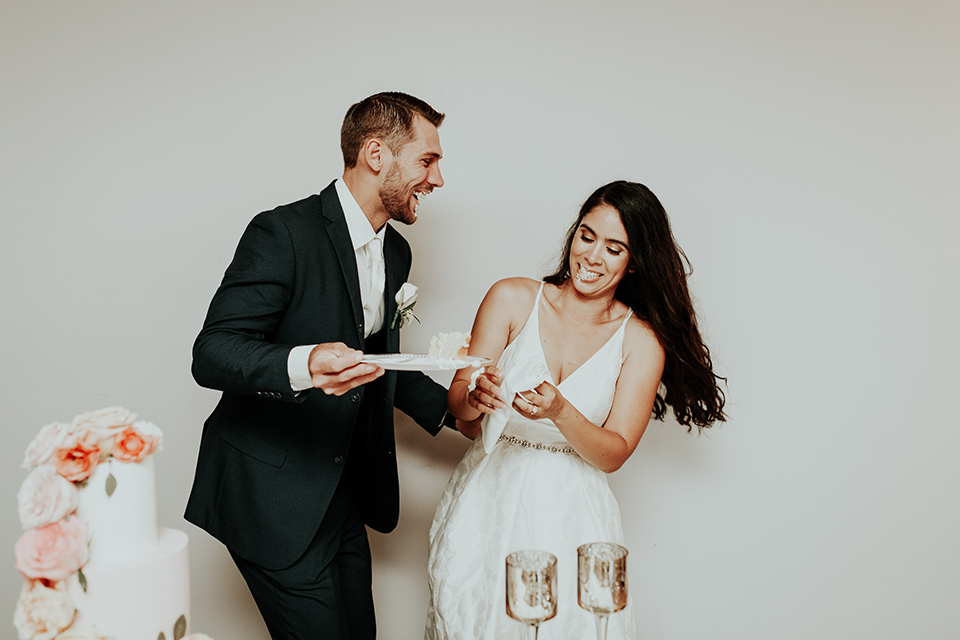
x=564, y=413
x=467, y=405
x=465, y=409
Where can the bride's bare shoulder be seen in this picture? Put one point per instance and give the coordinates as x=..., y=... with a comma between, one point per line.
x=513, y=291
x=642, y=340
x=510, y=300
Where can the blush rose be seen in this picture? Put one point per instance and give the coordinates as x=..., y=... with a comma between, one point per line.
x=99, y=428
x=45, y=497
x=107, y=421
x=54, y=551
x=45, y=445
x=42, y=612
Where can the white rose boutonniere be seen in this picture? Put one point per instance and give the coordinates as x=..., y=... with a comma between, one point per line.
x=406, y=298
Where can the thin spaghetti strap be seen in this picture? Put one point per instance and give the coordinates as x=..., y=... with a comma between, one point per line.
x=535, y=312
x=625, y=319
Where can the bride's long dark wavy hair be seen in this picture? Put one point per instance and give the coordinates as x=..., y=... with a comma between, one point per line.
x=655, y=287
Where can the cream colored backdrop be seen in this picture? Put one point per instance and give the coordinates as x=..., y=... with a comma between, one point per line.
x=807, y=153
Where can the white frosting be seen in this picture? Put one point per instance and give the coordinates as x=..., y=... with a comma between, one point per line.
x=138, y=598
x=138, y=576
x=124, y=524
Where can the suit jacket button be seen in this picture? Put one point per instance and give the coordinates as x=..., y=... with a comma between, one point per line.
x=338, y=460
x=355, y=398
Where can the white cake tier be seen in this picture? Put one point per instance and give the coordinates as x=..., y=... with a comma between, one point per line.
x=140, y=597
x=123, y=524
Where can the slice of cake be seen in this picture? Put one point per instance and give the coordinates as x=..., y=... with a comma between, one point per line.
x=449, y=346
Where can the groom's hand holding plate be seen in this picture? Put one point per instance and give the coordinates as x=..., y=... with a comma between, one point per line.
x=335, y=368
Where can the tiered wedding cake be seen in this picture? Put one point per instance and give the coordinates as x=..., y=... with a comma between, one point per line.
x=132, y=582
x=138, y=576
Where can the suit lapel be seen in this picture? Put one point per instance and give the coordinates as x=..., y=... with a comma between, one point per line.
x=339, y=235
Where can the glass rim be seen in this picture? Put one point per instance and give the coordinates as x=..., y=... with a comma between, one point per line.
x=516, y=558
x=618, y=550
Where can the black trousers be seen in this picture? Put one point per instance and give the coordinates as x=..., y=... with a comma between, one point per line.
x=327, y=593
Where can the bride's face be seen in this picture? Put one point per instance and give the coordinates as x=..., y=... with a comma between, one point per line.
x=599, y=253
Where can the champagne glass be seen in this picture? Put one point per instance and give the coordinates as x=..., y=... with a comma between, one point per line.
x=531, y=588
x=602, y=581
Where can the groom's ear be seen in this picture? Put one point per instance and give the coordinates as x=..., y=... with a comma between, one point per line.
x=375, y=154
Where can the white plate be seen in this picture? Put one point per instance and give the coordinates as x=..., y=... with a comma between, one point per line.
x=420, y=362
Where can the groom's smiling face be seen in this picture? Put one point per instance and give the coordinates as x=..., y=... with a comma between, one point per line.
x=413, y=172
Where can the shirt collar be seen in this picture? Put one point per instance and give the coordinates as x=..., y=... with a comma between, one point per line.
x=360, y=229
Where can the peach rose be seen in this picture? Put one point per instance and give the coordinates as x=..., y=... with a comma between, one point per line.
x=197, y=636
x=76, y=460
x=135, y=443
x=45, y=497
x=54, y=551
x=42, y=612
x=45, y=444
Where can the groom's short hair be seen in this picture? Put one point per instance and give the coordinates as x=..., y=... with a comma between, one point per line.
x=388, y=116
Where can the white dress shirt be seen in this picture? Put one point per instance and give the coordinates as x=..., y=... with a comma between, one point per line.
x=368, y=250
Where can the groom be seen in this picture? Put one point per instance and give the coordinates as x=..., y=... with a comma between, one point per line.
x=299, y=454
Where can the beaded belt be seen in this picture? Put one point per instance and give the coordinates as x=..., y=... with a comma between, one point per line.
x=538, y=446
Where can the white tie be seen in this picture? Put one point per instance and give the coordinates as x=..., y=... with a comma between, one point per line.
x=371, y=294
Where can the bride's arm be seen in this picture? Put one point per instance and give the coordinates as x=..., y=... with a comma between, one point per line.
x=495, y=326
x=609, y=446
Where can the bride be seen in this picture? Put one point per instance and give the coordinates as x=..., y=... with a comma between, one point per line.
x=581, y=358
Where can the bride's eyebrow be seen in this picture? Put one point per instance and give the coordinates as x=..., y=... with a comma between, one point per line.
x=585, y=226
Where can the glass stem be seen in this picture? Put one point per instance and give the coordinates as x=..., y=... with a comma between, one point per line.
x=534, y=630
x=601, y=626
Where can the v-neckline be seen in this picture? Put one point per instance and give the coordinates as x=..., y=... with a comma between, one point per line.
x=543, y=354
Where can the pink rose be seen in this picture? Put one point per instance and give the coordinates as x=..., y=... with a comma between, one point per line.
x=135, y=443
x=54, y=551
x=110, y=419
x=75, y=461
x=45, y=497
x=101, y=426
x=42, y=611
x=41, y=450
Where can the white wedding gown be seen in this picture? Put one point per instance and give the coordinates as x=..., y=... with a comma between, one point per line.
x=531, y=492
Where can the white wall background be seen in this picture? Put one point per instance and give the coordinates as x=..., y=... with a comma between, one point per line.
x=808, y=156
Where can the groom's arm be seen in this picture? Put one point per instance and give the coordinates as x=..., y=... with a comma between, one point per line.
x=425, y=401
x=234, y=351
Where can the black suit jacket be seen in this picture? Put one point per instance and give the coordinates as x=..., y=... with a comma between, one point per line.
x=270, y=459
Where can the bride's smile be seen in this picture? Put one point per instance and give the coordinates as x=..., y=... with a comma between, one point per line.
x=599, y=253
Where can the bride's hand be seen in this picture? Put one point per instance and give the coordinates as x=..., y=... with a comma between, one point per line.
x=545, y=401
x=485, y=395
